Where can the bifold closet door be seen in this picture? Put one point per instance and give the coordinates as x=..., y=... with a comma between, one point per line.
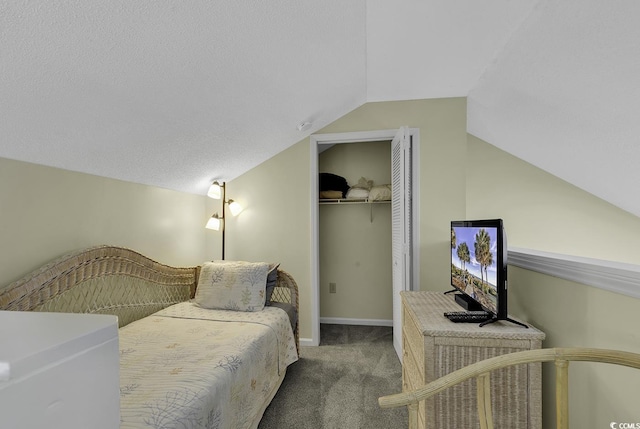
x=401, y=226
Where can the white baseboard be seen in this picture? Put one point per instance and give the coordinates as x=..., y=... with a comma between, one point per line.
x=307, y=342
x=363, y=322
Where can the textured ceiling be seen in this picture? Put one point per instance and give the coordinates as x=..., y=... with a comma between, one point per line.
x=176, y=94
x=173, y=93
x=435, y=48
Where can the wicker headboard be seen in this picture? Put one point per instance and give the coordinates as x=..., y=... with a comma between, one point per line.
x=102, y=280
x=114, y=280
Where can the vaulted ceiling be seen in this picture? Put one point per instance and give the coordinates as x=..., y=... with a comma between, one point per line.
x=176, y=94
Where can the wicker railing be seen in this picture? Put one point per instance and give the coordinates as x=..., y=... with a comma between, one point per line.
x=481, y=371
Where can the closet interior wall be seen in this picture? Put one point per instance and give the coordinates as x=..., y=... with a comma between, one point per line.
x=355, y=240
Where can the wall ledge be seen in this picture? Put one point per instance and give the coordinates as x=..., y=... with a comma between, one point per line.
x=608, y=275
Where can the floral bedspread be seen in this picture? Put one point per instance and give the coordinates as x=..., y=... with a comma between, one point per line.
x=187, y=367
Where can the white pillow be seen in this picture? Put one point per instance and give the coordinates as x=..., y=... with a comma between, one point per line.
x=380, y=193
x=357, y=193
x=232, y=285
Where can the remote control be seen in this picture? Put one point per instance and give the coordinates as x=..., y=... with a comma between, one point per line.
x=468, y=316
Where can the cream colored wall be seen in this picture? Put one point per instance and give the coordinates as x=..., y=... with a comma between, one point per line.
x=573, y=314
x=46, y=212
x=542, y=212
x=545, y=213
x=371, y=160
x=355, y=251
x=274, y=225
x=278, y=193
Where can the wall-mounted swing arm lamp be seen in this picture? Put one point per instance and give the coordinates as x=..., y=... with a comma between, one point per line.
x=215, y=222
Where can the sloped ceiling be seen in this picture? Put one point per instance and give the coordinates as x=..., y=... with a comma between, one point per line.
x=177, y=94
x=564, y=95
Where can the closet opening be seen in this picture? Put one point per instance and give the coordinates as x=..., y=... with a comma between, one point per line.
x=354, y=233
x=352, y=256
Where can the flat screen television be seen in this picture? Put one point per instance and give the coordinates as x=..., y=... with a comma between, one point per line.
x=479, y=266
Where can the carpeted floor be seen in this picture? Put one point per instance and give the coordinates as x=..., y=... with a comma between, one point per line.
x=337, y=384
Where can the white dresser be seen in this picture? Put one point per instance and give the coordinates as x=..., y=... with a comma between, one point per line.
x=59, y=371
x=433, y=346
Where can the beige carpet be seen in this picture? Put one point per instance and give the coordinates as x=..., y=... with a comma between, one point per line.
x=337, y=384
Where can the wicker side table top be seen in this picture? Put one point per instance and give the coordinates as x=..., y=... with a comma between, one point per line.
x=428, y=309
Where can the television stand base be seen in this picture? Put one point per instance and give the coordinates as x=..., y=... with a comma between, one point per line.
x=466, y=302
x=508, y=319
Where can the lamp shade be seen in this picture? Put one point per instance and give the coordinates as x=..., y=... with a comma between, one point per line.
x=234, y=207
x=215, y=191
x=214, y=222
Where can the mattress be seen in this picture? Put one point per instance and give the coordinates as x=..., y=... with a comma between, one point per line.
x=189, y=367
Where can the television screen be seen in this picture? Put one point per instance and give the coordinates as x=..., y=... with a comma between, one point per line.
x=478, y=263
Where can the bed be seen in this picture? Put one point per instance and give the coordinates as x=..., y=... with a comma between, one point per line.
x=181, y=365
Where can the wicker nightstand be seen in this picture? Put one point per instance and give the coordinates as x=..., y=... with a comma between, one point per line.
x=433, y=346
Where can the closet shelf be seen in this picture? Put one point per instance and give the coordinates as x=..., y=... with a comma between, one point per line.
x=350, y=201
